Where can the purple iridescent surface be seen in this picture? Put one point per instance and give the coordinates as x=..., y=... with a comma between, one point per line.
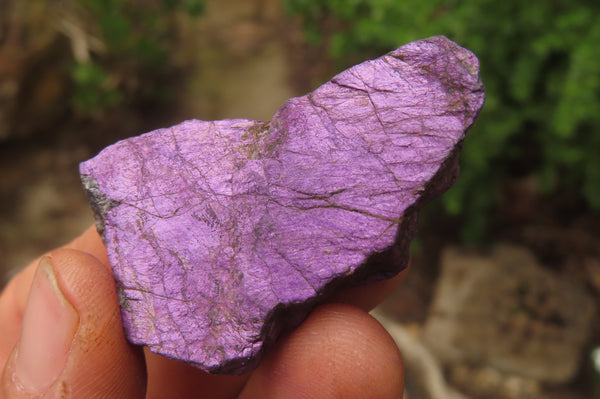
x=224, y=234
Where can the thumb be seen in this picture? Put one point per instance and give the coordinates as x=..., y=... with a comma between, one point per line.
x=71, y=342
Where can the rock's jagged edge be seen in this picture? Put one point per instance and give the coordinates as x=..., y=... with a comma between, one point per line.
x=98, y=202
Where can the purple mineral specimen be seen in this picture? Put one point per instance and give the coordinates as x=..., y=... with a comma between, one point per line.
x=222, y=235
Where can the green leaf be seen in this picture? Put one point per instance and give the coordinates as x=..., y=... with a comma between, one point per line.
x=116, y=30
x=194, y=7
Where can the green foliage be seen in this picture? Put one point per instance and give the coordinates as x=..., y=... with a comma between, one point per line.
x=136, y=39
x=194, y=7
x=540, y=63
x=93, y=90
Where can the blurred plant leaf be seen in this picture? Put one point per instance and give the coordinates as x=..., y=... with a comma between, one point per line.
x=137, y=43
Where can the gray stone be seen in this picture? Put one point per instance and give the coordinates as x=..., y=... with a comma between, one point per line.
x=508, y=312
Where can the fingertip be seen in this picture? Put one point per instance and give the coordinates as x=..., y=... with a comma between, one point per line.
x=340, y=351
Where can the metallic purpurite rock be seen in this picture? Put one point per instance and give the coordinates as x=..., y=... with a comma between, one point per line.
x=223, y=235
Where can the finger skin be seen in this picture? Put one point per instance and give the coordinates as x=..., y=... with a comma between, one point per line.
x=101, y=363
x=12, y=306
x=367, y=297
x=175, y=379
x=91, y=243
x=340, y=351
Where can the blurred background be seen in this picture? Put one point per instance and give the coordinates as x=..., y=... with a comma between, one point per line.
x=502, y=299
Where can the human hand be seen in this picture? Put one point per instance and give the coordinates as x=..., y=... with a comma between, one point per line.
x=61, y=337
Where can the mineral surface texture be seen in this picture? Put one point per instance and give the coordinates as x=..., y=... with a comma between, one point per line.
x=223, y=235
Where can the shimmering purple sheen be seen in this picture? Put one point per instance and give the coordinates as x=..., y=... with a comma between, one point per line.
x=224, y=234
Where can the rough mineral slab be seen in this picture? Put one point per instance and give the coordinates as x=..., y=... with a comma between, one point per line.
x=224, y=234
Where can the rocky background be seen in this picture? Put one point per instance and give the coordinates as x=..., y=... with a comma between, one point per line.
x=515, y=317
